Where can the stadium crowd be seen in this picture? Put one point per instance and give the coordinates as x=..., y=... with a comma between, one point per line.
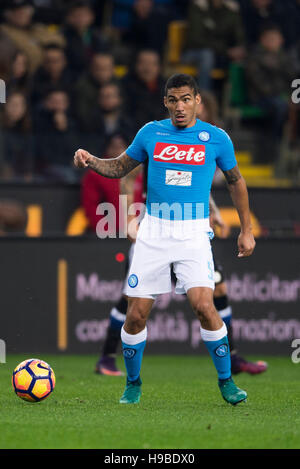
x=79, y=72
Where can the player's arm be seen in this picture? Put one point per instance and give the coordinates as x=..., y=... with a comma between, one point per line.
x=239, y=194
x=110, y=167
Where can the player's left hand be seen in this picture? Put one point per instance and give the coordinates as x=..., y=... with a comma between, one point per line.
x=246, y=244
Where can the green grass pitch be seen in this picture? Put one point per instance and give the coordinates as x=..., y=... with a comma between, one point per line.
x=181, y=407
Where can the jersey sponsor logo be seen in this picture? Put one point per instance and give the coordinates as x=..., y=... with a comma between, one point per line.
x=178, y=178
x=183, y=154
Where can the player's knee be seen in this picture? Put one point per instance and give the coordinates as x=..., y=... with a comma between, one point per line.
x=136, y=318
x=204, y=309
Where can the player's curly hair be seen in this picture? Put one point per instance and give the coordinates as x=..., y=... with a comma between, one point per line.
x=181, y=79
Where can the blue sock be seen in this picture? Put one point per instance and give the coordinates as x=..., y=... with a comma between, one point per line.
x=133, y=349
x=218, y=347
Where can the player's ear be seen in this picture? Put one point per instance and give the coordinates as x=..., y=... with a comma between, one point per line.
x=165, y=101
x=198, y=98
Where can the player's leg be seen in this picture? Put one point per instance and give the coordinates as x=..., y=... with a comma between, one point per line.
x=195, y=276
x=148, y=276
x=214, y=336
x=134, y=336
x=107, y=361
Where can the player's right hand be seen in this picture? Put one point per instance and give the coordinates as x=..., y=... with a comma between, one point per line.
x=82, y=158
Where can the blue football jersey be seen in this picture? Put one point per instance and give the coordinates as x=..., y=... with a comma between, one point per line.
x=181, y=166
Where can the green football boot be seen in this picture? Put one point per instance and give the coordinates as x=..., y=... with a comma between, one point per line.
x=132, y=393
x=231, y=393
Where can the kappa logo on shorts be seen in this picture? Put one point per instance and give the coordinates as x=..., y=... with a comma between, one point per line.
x=183, y=154
x=222, y=350
x=129, y=352
x=133, y=281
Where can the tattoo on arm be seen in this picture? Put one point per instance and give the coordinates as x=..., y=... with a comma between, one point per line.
x=232, y=175
x=113, y=167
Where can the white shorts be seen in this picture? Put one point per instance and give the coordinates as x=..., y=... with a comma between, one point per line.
x=156, y=248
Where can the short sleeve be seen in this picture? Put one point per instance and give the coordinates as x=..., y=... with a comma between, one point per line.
x=225, y=153
x=137, y=149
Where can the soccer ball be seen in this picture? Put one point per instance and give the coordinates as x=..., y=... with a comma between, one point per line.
x=33, y=380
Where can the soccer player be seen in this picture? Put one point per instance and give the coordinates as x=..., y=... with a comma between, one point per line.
x=182, y=154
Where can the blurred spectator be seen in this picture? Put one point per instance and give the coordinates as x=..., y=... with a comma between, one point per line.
x=8, y=51
x=258, y=14
x=52, y=73
x=96, y=188
x=100, y=72
x=270, y=71
x=215, y=36
x=144, y=89
x=108, y=117
x=19, y=79
x=147, y=19
x=16, y=139
x=56, y=138
x=13, y=217
x=24, y=34
x=83, y=40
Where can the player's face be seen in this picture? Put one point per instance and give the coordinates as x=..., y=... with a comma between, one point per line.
x=182, y=106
